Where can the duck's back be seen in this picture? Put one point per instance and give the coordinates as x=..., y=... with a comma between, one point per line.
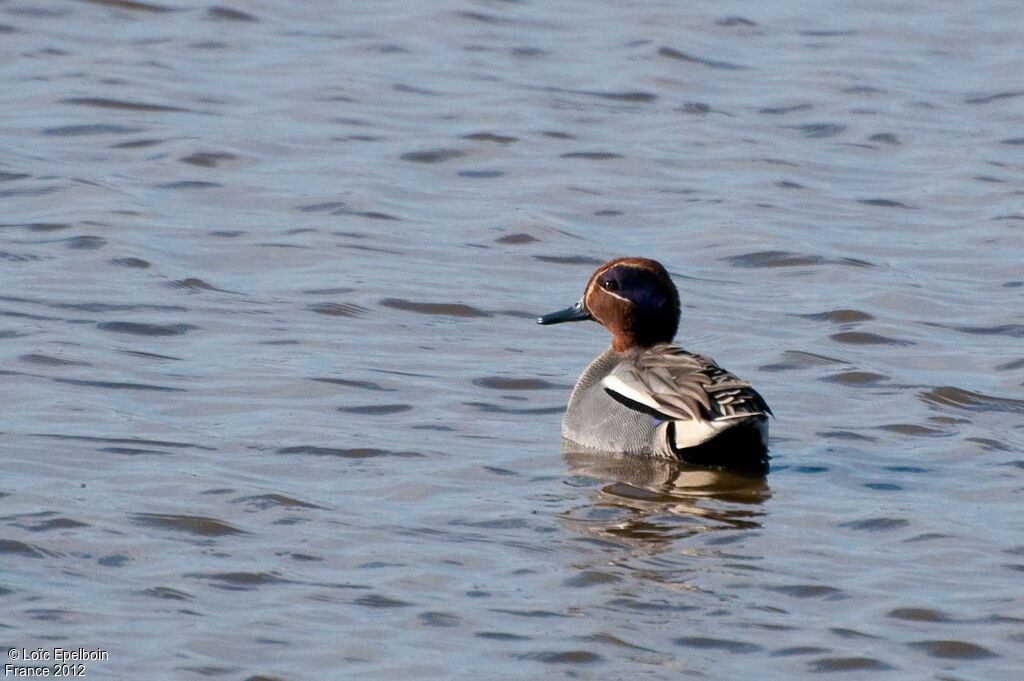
x=596, y=421
x=668, y=403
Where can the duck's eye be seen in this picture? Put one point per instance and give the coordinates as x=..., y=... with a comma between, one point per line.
x=610, y=285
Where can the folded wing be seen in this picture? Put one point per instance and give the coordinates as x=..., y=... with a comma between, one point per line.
x=675, y=385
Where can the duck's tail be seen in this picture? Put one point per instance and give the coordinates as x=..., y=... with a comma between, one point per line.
x=741, y=447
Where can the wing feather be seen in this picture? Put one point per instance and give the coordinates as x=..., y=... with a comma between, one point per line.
x=674, y=384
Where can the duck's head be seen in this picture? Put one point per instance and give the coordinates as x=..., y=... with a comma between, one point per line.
x=634, y=298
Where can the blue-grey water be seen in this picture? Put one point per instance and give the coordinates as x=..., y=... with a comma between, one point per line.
x=274, y=404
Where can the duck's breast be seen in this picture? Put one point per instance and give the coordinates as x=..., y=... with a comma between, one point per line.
x=596, y=421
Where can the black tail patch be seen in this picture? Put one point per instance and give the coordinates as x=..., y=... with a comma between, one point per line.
x=736, y=449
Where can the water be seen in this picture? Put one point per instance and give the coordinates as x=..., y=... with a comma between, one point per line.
x=275, y=405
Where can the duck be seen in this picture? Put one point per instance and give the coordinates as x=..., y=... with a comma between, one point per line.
x=645, y=395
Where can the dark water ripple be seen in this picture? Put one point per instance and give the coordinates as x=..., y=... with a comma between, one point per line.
x=362, y=385
x=143, y=329
x=849, y=664
x=920, y=615
x=103, y=103
x=951, y=396
x=338, y=309
x=510, y=383
x=956, y=650
x=787, y=259
x=238, y=581
x=13, y=546
x=432, y=155
x=204, y=527
x=349, y=453
x=208, y=159
x=91, y=129
x=116, y=385
x=799, y=359
x=840, y=316
x=672, y=53
x=377, y=409
x=228, y=14
x=264, y=501
x=867, y=338
x=443, y=309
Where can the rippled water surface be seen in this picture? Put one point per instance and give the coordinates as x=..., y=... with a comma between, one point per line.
x=275, y=405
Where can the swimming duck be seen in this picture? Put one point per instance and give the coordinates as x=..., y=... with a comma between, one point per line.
x=644, y=395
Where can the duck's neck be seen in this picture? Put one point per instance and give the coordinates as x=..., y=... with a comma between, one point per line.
x=626, y=341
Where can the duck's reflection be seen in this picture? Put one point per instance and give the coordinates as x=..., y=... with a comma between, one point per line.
x=642, y=501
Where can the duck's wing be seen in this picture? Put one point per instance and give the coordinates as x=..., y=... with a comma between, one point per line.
x=673, y=384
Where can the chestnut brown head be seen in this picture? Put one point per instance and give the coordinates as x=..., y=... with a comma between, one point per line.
x=634, y=298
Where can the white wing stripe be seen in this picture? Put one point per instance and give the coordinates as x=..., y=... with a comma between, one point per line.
x=617, y=385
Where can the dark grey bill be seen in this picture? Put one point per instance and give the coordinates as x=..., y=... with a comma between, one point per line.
x=576, y=313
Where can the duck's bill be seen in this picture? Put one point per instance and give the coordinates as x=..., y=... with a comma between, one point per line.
x=576, y=313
